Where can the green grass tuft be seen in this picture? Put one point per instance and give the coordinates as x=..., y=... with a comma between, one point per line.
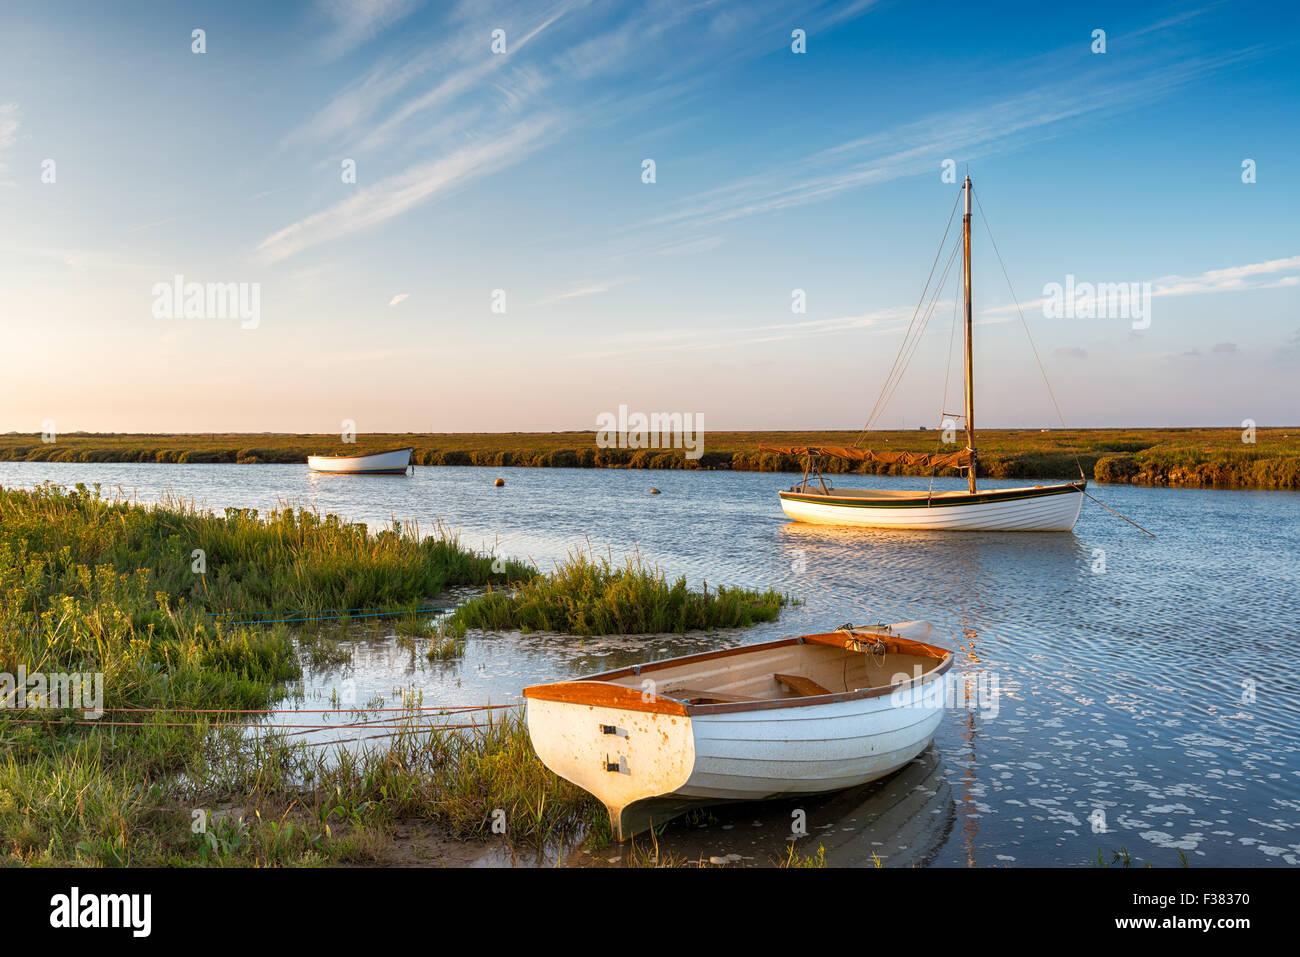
x=592, y=596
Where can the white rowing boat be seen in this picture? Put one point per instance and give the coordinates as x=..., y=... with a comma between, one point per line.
x=1038, y=508
x=395, y=462
x=795, y=716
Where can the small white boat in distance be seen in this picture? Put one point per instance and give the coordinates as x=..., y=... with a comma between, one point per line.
x=795, y=716
x=395, y=462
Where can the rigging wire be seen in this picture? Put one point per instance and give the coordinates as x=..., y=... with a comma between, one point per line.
x=911, y=339
x=947, y=378
x=1033, y=348
x=915, y=312
x=1041, y=369
x=920, y=332
x=947, y=368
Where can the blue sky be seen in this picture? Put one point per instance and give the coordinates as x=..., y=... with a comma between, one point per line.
x=775, y=171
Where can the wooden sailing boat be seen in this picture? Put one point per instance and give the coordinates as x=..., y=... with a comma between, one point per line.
x=1037, y=508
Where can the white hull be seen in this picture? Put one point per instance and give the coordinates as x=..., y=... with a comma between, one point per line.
x=380, y=463
x=648, y=756
x=754, y=756
x=1035, y=513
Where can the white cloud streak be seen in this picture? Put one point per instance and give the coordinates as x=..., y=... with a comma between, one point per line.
x=893, y=320
x=918, y=147
x=405, y=191
x=1229, y=279
x=586, y=289
x=356, y=22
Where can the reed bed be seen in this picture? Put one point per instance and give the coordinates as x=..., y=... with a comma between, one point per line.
x=90, y=584
x=586, y=595
x=1188, y=456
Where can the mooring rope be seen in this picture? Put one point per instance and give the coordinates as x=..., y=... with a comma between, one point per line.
x=1109, y=509
x=391, y=719
x=388, y=722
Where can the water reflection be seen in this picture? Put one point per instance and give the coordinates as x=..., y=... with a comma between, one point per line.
x=900, y=821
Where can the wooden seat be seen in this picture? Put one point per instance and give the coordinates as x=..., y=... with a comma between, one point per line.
x=700, y=696
x=803, y=687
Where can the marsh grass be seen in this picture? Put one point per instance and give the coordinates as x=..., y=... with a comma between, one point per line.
x=587, y=595
x=794, y=859
x=444, y=647
x=92, y=584
x=1187, y=456
x=89, y=584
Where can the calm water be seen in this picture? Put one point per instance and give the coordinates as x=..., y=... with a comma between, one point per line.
x=1146, y=683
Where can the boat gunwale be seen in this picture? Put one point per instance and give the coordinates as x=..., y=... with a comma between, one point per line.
x=924, y=500
x=568, y=691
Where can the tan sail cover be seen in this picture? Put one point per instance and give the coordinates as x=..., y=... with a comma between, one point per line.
x=951, y=460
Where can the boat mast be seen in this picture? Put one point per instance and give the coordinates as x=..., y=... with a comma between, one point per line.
x=970, y=369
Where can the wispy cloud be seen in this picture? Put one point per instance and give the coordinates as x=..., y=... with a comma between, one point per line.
x=919, y=146
x=1229, y=279
x=356, y=104
x=404, y=191
x=694, y=340
x=894, y=320
x=398, y=299
x=471, y=77
x=456, y=87
x=585, y=289
x=459, y=64
x=355, y=22
x=1232, y=279
x=153, y=225
x=701, y=244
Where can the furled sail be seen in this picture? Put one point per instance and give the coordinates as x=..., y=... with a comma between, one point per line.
x=938, y=460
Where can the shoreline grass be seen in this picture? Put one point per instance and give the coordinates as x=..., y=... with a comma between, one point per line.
x=1191, y=457
x=89, y=584
x=588, y=596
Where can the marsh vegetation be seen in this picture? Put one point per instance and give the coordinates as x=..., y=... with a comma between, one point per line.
x=191, y=618
x=1182, y=457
